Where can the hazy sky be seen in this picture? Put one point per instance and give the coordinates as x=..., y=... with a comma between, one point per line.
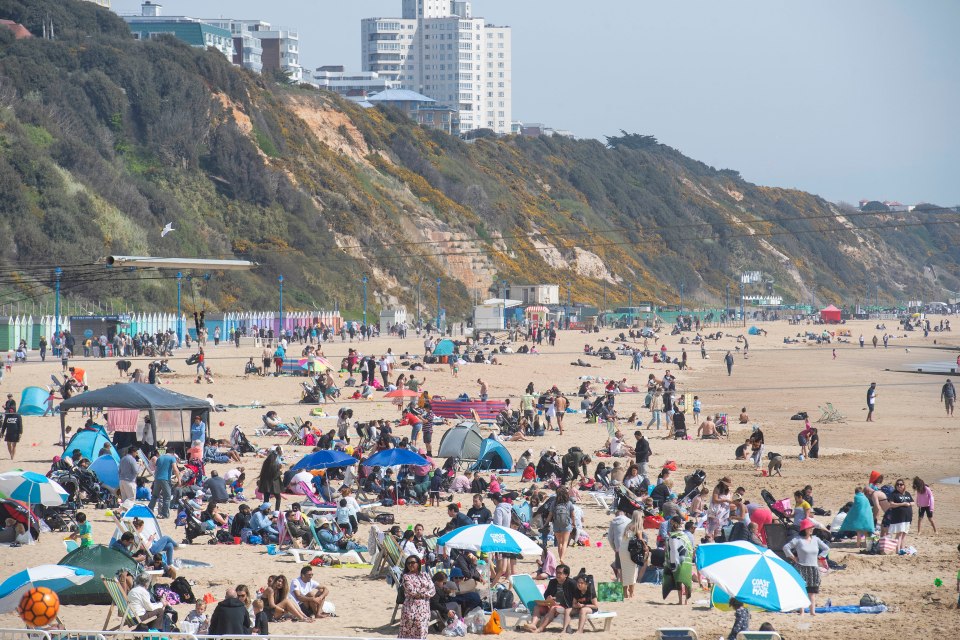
x=847, y=99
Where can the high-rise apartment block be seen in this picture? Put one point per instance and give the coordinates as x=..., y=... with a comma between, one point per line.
x=439, y=49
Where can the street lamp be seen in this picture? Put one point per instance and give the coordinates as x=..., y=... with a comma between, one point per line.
x=630, y=300
x=179, y=314
x=503, y=291
x=743, y=317
x=566, y=312
x=58, y=272
x=280, y=278
x=364, y=281
x=438, y=304
x=681, y=298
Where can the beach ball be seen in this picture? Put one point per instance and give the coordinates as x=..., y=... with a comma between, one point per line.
x=39, y=607
x=401, y=502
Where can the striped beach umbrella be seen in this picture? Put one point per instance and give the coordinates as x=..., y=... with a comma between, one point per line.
x=489, y=538
x=753, y=575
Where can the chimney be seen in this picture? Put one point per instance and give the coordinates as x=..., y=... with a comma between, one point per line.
x=150, y=9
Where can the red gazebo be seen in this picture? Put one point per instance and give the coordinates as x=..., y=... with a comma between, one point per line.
x=830, y=314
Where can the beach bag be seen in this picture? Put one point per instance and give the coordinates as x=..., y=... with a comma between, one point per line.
x=194, y=359
x=475, y=620
x=610, y=592
x=637, y=549
x=456, y=628
x=870, y=600
x=886, y=546
x=492, y=627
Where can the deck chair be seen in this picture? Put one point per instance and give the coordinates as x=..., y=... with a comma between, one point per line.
x=529, y=594
x=676, y=633
x=829, y=414
x=758, y=635
x=118, y=600
x=396, y=574
x=303, y=556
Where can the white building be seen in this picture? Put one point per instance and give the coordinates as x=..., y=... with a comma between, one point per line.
x=439, y=49
x=534, y=293
x=352, y=83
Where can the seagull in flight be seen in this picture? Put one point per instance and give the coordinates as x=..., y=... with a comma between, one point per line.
x=167, y=229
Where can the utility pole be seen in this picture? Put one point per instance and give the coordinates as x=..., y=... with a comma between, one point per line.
x=630, y=301
x=566, y=311
x=438, y=304
x=681, y=298
x=743, y=317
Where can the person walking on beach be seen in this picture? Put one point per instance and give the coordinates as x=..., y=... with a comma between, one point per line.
x=948, y=394
x=871, y=400
x=728, y=360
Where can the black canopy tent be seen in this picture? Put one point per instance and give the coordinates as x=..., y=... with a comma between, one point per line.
x=144, y=397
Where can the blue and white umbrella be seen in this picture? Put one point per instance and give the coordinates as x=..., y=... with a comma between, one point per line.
x=489, y=538
x=32, y=488
x=55, y=577
x=394, y=457
x=753, y=575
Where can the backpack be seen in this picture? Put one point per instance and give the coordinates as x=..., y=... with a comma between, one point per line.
x=503, y=599
x=182, y=588
x=194, y=359
x=637, y=549
x=562, y=519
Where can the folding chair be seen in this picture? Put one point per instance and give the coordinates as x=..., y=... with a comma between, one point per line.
x=118, y=599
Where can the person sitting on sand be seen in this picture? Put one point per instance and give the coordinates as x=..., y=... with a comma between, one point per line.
x=308, y=593
x=744, y=418
x=707, y=430
x=279, y=603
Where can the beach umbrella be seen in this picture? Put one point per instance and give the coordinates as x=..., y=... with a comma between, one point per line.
x=325, y=460
x=402, y=393
x=489, y=538
x=32, y=488
x=55, y=577
x=107, y=470
x=395, y=457
x=319, y=364
x=753, y=575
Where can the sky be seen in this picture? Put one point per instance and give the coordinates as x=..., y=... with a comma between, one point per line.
x=848, y=100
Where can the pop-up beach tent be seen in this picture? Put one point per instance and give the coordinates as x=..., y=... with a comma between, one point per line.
x=103, y=561
x=464, y=441
x=33, y=401
x=830, y=314
x=166, y=409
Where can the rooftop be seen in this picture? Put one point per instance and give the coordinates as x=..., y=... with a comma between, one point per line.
x=399, y=95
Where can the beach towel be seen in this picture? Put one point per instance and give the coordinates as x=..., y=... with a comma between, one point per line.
x=860, y=516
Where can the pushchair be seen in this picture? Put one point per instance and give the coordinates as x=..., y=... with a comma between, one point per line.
x=311, y=394
x=239, y=441
x=508, y=422
x=692, y=484
x=626, y=501
x=188, y=519
x=594, y=411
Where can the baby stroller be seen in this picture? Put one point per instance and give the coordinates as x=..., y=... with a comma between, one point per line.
x=692, y=484
x=508, y=422
x=626, y=501
x=311, y=394
x=594, y=411
x=239, y=441
x=188, y=519
x=193, y=474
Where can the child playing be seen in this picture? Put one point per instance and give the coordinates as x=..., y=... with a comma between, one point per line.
x=454, y=366
x=199, y=617
x=343, y=516
x=261, y=621
x=435, y=482
x=236, y=488
x=741, y=620
x=84, y=531
x=696, y=409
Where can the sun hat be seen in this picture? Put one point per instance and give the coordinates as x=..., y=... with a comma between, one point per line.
x=807, y=524
x=875, y=476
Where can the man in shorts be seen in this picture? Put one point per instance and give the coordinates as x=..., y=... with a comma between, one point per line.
x=948, y=394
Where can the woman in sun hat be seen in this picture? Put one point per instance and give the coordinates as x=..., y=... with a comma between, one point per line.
x=805, y=552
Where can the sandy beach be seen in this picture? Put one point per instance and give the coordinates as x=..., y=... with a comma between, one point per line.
x=910, y=437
